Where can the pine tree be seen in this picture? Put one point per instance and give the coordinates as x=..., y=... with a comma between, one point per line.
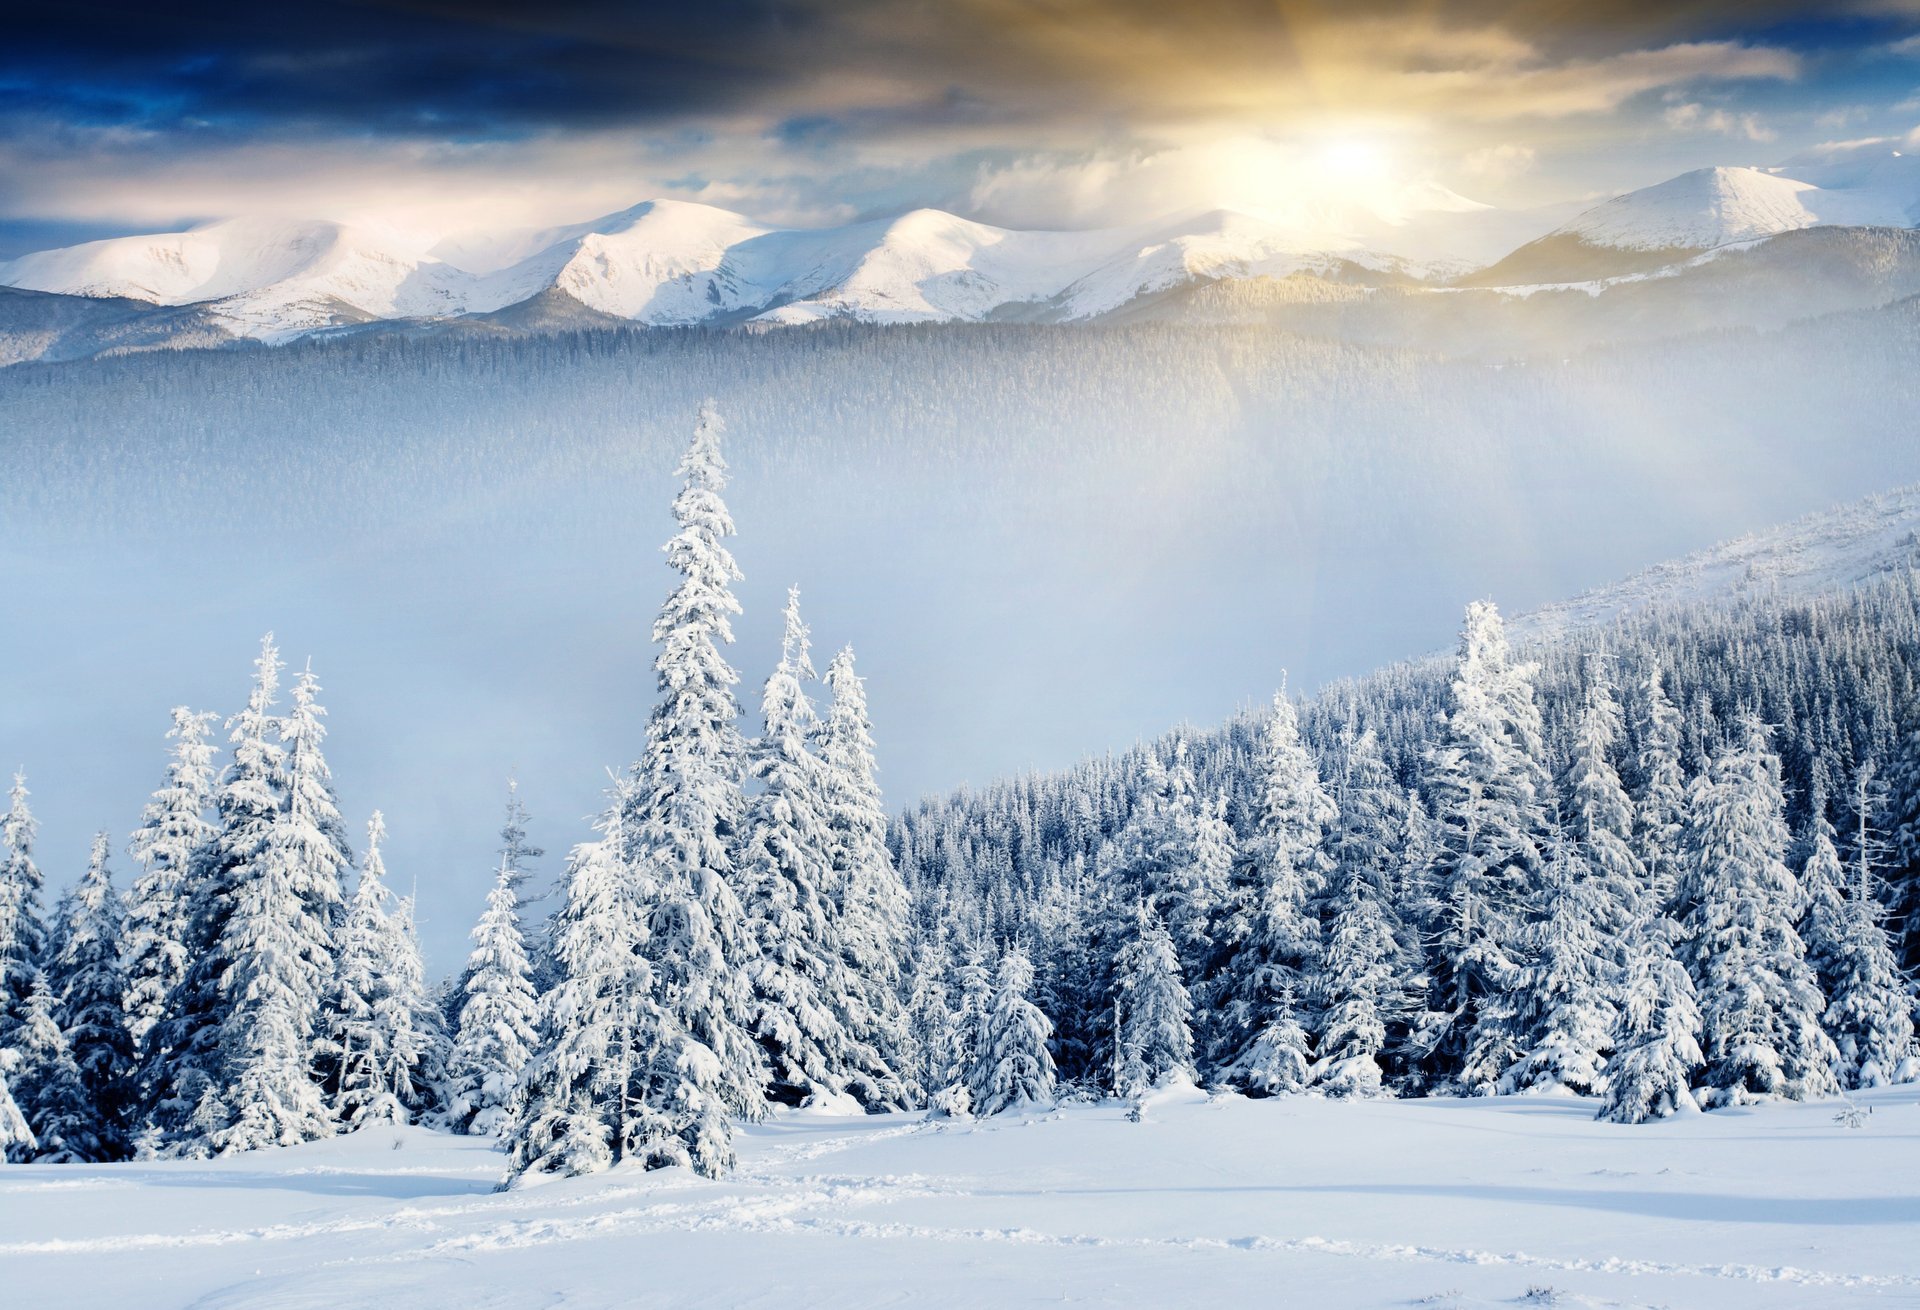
x=929, y=1014
x=684, y=802
x=49, y=1091
x=869, y=894
x=1870, y=1011
x=277, y=940
x=517, y=854
x=173, y=830
x=1566, y=989
x=17, y=1141
x=498, y=1016
x=1153, y=1036
x=1280, y=1061
x=1287, y=870
x=1012, y=1069
x=1368, y=961
x=23, y=932
x=88, y=988
x=971, y=1030
x=1487, y=789
x=1599, y=818
x=1656, y=1046
x=1661, y=806
x=798, y=975
x=1760, y=1002
x=415, y=1040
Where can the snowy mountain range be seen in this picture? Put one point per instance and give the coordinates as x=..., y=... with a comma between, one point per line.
x=668, y=263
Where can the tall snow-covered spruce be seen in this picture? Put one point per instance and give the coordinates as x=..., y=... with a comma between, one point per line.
x=1153, y=1034
x=498, y=1015
x=173, y=830
x=89, y=988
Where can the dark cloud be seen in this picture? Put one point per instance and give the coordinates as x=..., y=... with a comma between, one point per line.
x=467, y=69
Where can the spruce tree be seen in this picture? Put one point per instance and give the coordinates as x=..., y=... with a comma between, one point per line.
x=1280, y=1061
x=1656, y=1045
x=1870, y=1003
x=23, y=930
x=1598, y=816
x=1566, y=990
x=50, y=1092
x=798, y=974
x=1153, y=1036
x=173, y=830
x=498, y=1016
x=1760, y=1001
x=415, y=1039
x=684, y=802
x=1012, y=1069
x=1487, y=788
x=1286, y=870
x=89, y=989
x=869, y=894
x=17, y=1141
x=186, y=1073
x=1661, y=801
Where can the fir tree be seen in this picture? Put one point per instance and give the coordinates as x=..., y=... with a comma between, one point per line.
x=1280, y=1061
x=49, y=1091
x=1870, y=1008
x=869, y=894
x=1487, y=788
x=88, y=986
x=23, y=932
x=185, y=1073
x=797, y=972
x=17, y=1141
x=1661, y=803
x=1153, y=1037
x=1760, y=1002
x=173, y=830
x=1012, y=1069
x=415, y=1041
x=1598, y=816
x=498, y=1015
x=684, y=802
x=1567, y=986
x=1656, y=1046
x=1287, y=870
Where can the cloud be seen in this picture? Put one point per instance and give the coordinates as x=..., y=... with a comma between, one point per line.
x=1497, y=163
x=1689, y=117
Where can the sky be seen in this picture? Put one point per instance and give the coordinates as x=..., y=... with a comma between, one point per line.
x=124, y=117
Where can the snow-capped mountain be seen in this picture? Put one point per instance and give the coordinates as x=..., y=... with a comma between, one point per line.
x=672, y=263
x=1710, y=208
x=1815, y=555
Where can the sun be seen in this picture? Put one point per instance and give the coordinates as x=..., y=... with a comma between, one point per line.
x=1354, y=159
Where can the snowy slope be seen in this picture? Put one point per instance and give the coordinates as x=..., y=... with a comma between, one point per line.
x=1294, y=1202
x=1814, y=555
x=1715, y=206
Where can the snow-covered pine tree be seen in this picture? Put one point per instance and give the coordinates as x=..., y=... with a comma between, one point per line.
x=1656, y=1045
x=1153, y=1035
x=1759, y=999
x=415, y=1039
x=185, y=1072
x=278, y=942
x=23, y=931
x=930, y=1012
x=1012, y=1069
x=1661, y=801
x=616, y=1076
x=684, y=799
x=1153, y=854
x=498, y=1017
x=48, y=1089
x=350, y=1044
x=798, y=973
x=1286, y=870
x=1487, y=788
x=1567, y=988
x=1598, y=816
x=89, y=990
x=1870, y=1003
x=869, y=892
x=972, y=1024
x=1368, y=961
x=173, y=830
x=17, y=1141
x=1280, y=1061
x=517, y=854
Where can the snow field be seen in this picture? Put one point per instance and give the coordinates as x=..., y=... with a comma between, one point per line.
x=1291, y=1202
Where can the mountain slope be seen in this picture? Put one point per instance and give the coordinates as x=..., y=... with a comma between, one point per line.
x=1820, y=553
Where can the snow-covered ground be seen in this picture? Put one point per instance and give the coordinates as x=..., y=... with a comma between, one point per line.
x=1292, y=1202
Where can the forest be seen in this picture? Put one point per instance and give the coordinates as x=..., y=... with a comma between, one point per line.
x=1671, y=864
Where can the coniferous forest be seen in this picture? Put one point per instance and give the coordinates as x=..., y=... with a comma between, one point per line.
x=1671, y=864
